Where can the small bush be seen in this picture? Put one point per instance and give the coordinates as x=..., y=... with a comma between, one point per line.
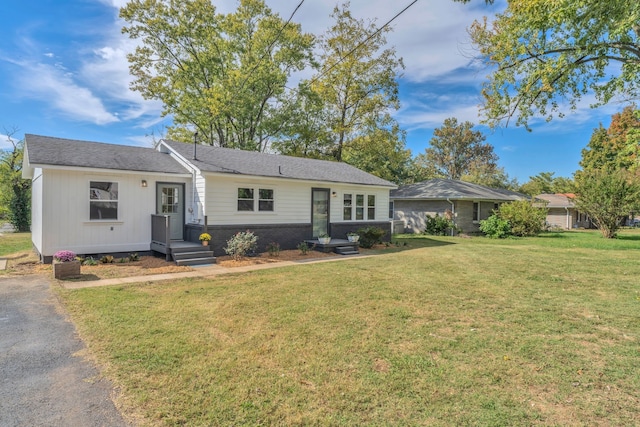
x=438, y=225
x=304, y=248
x=240, y=244
x=134, y=257
x=107, y=259
x=370, y=236
x=495, y=227
x=89, y=261
x=524, y=218
x=273, y=249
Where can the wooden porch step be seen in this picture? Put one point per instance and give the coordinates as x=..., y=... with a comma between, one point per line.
x=347, y=250
x=196, y=261
x=191, y=254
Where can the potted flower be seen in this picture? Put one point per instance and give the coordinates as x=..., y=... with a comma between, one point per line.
x=353, y=237
x=324, y=238
x=204, y=238
x=65, y=265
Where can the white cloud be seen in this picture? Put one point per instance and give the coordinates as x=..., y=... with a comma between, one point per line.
x=57, y=87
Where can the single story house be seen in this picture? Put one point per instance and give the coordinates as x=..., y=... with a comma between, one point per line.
x=98, y=198
x=467, y=203
x=562, y=211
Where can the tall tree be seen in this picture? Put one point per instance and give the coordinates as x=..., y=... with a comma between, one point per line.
x=456, y=150
x=15, y=194
x=543, y=54
x=223, y=75
x=617, y=147
x=357, y=80
x=546, y=183
x=607, y=197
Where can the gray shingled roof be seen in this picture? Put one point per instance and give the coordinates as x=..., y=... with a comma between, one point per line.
x=442, y=189
x=226, y=160
x=556, y=200
x=46, y=150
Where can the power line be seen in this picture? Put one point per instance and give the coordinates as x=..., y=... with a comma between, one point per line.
x=362, y=42
x=268, y=50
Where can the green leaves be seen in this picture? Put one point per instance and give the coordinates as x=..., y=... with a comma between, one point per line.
x=221, y=74
x=546, y=56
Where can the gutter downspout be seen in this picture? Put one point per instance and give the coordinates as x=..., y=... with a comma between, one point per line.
x=453, y=213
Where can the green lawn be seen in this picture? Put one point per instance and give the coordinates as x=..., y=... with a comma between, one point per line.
x=11, y=243
x=444, y=331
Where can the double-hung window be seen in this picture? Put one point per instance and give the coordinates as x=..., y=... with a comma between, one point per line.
x=247, y=201
x=371, y=207
x=347, y=207
x=103, y=200
x=476, y=211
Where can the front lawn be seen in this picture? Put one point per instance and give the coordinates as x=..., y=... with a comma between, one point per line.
x=446, y=331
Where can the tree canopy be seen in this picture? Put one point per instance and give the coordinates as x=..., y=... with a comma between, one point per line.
x=456, y=150
x=15, y=192
x=618, y=146
x=546, y=56
x=223, y=75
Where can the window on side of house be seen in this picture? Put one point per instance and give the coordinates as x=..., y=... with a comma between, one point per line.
x=496, y=206
x=476, y=211
x=391, y=210
x=371, y=207
x=245, y=199
x=103, y=200
x=359, y=207
x=265, y=200
x=347, y=207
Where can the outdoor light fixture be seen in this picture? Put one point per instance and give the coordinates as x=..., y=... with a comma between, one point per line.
x=143, y=183
x=334, y=194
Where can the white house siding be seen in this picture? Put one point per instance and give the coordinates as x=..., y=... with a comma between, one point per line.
x=65, y=217
x=36, y=209
x=292, y=200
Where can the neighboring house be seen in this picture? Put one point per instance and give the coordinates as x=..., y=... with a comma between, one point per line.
x=467, y=203
x=562, y=212
x=95, y=198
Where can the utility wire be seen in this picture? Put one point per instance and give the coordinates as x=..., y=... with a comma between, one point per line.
x=271, y=45
x=362, y=42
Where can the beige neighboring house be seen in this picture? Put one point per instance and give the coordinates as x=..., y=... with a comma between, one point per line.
x=467, y=203
x=562, y=211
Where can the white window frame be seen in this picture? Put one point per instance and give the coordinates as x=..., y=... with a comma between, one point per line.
x=257, y=202
x=97, y=197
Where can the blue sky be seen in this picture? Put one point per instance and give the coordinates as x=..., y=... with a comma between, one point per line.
x=63, y=73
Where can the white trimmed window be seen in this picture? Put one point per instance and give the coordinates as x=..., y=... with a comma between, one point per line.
x=247, y=201
x=103, y=200
x=358, y=207
x=371, y=207
x=347, y=207
x=476, y=211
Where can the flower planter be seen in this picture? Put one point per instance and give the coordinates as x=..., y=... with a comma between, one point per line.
x=205, y=243
x=324, y=240
x=353, y=239
x=66, y=270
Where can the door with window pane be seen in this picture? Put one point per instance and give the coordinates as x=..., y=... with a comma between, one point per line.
x=170, y=201
x=320, y=211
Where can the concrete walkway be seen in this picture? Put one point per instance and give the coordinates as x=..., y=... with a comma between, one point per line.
x=204, y=271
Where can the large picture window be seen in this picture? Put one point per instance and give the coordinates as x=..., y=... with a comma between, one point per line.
x=103, y=200
x=358, y=207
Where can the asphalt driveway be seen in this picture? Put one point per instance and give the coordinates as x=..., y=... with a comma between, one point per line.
x=43, y=382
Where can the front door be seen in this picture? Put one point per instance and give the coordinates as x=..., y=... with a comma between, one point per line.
x=170, y=201
x=320, y=211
